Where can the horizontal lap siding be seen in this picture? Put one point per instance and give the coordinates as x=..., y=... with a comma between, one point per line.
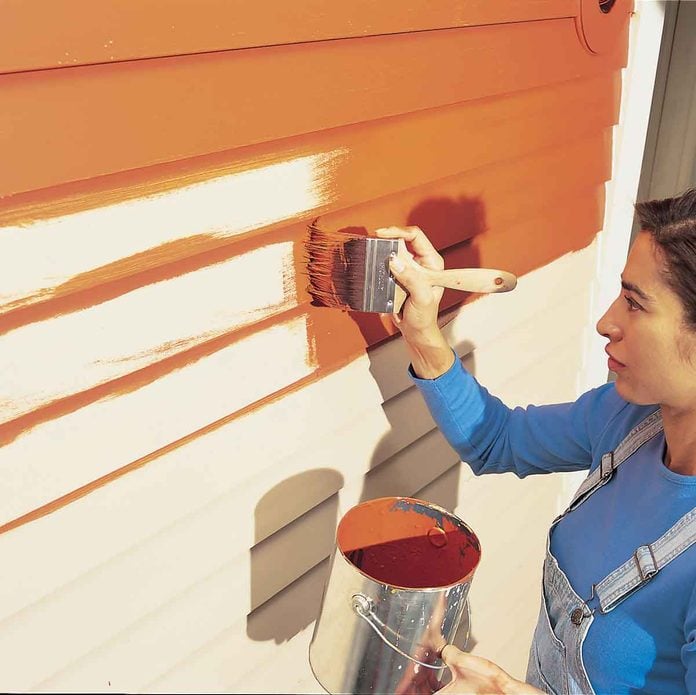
x=114, y=31
x=176, y=420
x=168, y=543
x=341, y=170
x=100, y=119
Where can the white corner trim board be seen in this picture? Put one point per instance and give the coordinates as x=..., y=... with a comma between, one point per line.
x=628, y=145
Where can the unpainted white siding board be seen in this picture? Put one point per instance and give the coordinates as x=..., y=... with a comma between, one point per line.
x=51, y=359
x=189, y=478
x=153, y=416
x=244, y=582
x=408, y=470
x=289, y=490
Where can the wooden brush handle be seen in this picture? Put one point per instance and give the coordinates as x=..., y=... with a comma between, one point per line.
x=471, y=279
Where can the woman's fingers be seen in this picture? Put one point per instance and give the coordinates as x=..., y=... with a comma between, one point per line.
x=473, y=674
x=396, y=232
x=456, y=659
x=449, y=654
x=419, y=244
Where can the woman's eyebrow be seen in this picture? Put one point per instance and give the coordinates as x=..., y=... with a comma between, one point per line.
x=636, y=290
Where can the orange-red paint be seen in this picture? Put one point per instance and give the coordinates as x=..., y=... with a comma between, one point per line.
x=407, y=543
x=114, y=31
x=96, y=120
x=12, y=429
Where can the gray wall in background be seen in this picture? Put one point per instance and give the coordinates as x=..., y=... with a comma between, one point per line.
x=669, y=163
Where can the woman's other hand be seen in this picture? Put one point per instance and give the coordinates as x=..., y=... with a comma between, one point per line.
x=431, y=355
x=472, y=675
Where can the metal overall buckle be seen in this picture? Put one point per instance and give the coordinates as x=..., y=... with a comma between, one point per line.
x=577, y=615
x=646, y=570
x=606, y=466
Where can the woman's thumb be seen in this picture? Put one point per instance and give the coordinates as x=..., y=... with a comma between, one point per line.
x=450, y=654
x=396, y=265
x=409, y=278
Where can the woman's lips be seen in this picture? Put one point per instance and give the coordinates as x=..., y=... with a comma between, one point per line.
x=614, y=364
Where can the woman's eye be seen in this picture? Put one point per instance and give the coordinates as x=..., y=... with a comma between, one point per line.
x=632, y=304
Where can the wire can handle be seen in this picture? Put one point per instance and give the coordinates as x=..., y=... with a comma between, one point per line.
x=362, y=606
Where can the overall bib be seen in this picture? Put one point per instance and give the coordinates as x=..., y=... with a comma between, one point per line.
x=555, y=659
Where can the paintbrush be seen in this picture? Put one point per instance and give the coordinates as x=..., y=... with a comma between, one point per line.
x=351, y=271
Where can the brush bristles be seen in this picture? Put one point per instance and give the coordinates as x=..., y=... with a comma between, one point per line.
x=336, y=268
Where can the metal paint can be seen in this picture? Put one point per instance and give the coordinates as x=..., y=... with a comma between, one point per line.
x=396, y=593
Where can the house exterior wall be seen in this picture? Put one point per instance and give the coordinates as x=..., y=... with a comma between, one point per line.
x=180, y=429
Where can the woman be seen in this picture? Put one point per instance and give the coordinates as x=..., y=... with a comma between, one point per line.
x=619, y=608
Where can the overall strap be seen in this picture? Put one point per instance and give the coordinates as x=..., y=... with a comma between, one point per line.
x=645, y=430
x=645, y=563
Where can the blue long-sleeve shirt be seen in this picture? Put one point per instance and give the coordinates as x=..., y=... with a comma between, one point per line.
x=648, y=642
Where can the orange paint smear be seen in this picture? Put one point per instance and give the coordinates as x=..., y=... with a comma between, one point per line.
x=336, y=337
x=131, y=382
x=94, y=485
x=165, y=262
x=144, y=377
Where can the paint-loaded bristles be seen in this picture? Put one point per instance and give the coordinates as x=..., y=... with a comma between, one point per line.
x=336, y=268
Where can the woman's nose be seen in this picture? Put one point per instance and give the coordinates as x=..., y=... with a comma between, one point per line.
x=608, y=327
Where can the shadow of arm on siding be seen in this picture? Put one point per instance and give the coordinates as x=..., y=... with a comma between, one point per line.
x=289, y=612
x=283, y=564
x=447, y=222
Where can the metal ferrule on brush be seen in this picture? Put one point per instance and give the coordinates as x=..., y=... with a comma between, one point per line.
x=379, y=288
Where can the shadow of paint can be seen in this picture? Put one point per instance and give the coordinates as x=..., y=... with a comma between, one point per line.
x=396, y=593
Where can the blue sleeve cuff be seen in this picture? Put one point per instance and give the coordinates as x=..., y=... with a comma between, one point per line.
x=443, y=381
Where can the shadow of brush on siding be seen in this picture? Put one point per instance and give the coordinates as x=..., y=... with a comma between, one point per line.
x=286, y=593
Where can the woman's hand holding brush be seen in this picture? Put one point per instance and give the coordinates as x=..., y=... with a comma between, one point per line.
x=431, y=356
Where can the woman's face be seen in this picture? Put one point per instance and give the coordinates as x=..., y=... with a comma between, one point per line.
x=652, y=352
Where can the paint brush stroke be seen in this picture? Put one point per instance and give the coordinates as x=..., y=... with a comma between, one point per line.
x=51, y=359
x=64, y=454
x=48, y=253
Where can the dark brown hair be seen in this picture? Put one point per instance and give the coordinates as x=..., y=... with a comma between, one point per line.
x=672, y=224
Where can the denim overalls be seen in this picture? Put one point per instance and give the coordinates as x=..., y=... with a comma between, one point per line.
x=555, y=660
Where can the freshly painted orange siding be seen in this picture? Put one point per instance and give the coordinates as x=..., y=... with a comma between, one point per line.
x=160, y=164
